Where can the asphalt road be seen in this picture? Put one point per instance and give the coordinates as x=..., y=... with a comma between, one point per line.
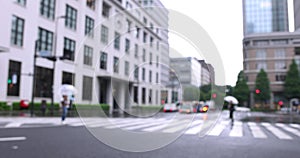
x=78, y=142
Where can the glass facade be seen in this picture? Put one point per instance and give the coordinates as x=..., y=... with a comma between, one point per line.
x=264, y=16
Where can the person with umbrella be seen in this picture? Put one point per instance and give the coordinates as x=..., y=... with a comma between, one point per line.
x=65, y=105
x=232, y=101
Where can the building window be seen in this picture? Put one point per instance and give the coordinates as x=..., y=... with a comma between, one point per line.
x=116, y=65
x=128, y=25
x=157, y=61
x=91, y=4
x=44, y=82
x=103, y=61
x=128, y=5
x=280, y=78
x=144, y=55
x=261, y=43
x=45, y=40
x=157, y=77
x=105, y=10
x=150, y=76
x=280, y=42
x=143, y=74
x=89, y=26
x=145, y=37
x=126, y=68
x=150, y=59
x=137, y=32
x=279, y=53
x=127, y=45
x=88, y=56
x=143, y=95
x=71, y=17
x=261, y=65
x=117, y=41
x=136, y=72
x=21, y=2
x=69, y=49
x=47, y=8
x=87, y=87
x=151, y=41
x=280, y=65
x=145, y=20
x=157, y=45
x=261, y=54
x=150, y=96
x=104, y=34
x=68, y=78
x=297, y=50
x=14, y=78
x=17, y=31
x=136, y=51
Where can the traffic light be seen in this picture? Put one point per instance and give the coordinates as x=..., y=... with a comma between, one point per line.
x=214, y=95
x=280, y=103
x=9, y=81
x=257, y=91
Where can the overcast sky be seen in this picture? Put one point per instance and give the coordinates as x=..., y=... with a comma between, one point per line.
x=223, y=20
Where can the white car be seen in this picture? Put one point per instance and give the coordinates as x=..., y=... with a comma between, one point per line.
x=170, y=107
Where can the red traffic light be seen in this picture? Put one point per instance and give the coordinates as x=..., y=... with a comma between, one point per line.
x=257, y=91
x=214, y=95
x=280, y=103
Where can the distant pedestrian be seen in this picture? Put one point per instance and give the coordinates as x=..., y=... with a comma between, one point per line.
x=43, y=107
x=65, y=105
x=231, y=110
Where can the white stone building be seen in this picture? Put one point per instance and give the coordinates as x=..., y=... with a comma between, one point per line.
x=112, y=49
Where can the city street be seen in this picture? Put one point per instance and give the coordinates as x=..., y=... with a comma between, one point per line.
x=243, y=139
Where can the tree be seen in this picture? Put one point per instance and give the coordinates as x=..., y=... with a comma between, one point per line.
x=241, y=90
x=292, y=82
x=262, y=87
x=229, y=90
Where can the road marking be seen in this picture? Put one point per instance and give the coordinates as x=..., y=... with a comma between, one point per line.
x=256, y=131
x=237, y=130
x=295, y=125
x=217, y=130
x=131, y=123
x=13, y=125
x=179, y=127
x=112, y=123
x=278, y=133
x=157, y=122
x=289, y=129
x=12, y=139
x=170, y=124
x=196, y=127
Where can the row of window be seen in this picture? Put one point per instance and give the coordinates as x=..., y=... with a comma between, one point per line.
x=279, y=65
x=262, y=53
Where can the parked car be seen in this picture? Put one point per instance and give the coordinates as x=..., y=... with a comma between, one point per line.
x=170, y=107
x=186, y=108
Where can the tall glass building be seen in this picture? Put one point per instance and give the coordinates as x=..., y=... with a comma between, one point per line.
x=264, y=16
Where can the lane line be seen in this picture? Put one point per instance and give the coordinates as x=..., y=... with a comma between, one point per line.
x=7, y=139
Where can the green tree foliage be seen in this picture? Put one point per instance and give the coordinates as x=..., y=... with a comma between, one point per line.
x=229, y=90
x=262, y=83
x=292, y=82
x=191, y=93
x=241, y=90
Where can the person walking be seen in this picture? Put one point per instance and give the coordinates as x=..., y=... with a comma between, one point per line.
x=43, y=107
x=231, y=110
x=65, y=103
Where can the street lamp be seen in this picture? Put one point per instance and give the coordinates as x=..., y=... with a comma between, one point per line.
x=54, y=61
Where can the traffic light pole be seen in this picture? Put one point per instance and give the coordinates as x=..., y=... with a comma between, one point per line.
x=33, y=79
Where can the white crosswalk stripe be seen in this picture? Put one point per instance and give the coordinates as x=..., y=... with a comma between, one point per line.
x=256, y=131
x=278, y=133
x=196, y=127
x=183, y=125
x=172, y=123
x=13, y=125
x=237, y=130
x=130, y=123
x=289, y=129
x=295, y=125
x=157, y=122
x=218, y=129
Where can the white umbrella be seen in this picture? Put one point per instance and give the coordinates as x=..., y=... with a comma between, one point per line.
x=231, y=99
x=66, y=89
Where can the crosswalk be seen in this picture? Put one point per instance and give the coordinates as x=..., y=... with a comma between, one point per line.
x=223, y=128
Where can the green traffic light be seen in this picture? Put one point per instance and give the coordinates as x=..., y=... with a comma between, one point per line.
x=9, y=81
